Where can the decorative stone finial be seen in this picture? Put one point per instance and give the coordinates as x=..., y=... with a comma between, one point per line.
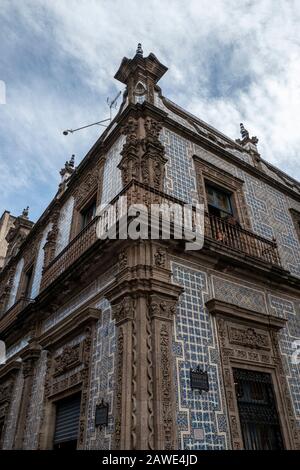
x=66, y=172
x=69, y=167
x=244, y=132
x=72, y=161
x=139, y=50
x=25, y=213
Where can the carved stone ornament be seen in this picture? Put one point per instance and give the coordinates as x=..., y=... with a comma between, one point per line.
x=160, y=258
x=130, y=130
x=124, y=310
x=6, y=392
x=143, y=157
x=123, y=260
x=87, y=186
x=68, y=359
x=162, y=308
x=166, y=387
x=249, y=338
x=264, y=347
x=70, y=369
x=152, y=129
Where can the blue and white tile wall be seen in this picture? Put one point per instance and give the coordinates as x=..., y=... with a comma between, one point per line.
x=270, y=216
x=201, y=419
x=112, y=181
x=194, y=124
x=38, y=269
x=64, y=225
x=290, y=310
x=235, y=292
x=15, y=285
x=102, y=379
x=268, y=207
x=180, y=180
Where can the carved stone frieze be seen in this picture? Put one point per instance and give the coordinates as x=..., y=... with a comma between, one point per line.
x=249, y=337
x=68, y=359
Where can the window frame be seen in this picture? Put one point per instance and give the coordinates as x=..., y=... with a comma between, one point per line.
x=209, y=174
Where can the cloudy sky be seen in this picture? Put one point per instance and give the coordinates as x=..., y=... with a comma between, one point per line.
x=230, y=61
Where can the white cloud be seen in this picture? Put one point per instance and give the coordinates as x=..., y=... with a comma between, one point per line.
x=228, y=62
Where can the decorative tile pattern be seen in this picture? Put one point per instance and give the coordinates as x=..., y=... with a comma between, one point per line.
x=112, y=181
x=270, y=217
x=215, y=160
x=180, y=178
x=64, y=225
x=268, y=208
x=102, y=379
x=238, y=294
x=195, y=345
x=289, y=310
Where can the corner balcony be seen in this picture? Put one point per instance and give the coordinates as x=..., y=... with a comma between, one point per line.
x=223, y=234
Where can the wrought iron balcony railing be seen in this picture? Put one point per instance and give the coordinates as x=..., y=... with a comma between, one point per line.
x=224, y=232
x=230, y=233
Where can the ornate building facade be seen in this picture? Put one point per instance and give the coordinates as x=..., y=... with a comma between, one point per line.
x=141, y=344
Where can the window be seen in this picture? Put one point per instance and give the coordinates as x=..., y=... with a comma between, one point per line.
x=67, y=423
x=296, y=220
x=88, y=213
x=218, y=201
x=28, y=282
x=257, y=410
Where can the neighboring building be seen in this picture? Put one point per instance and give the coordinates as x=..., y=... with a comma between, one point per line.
x=6, y=222
x=129, y=328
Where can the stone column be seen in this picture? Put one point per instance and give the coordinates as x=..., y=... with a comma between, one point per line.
x=29, y=357
x=162, y=310
x=143, y=301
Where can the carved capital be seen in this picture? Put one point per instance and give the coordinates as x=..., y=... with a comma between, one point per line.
x=161, y=308
x=124, y=310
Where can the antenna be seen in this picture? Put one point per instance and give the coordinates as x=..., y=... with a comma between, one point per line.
x=100, y=123
x=113, y=103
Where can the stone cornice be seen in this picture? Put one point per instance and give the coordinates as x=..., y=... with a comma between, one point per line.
x=69, y=326
x=9, y=368
x=219, y=307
